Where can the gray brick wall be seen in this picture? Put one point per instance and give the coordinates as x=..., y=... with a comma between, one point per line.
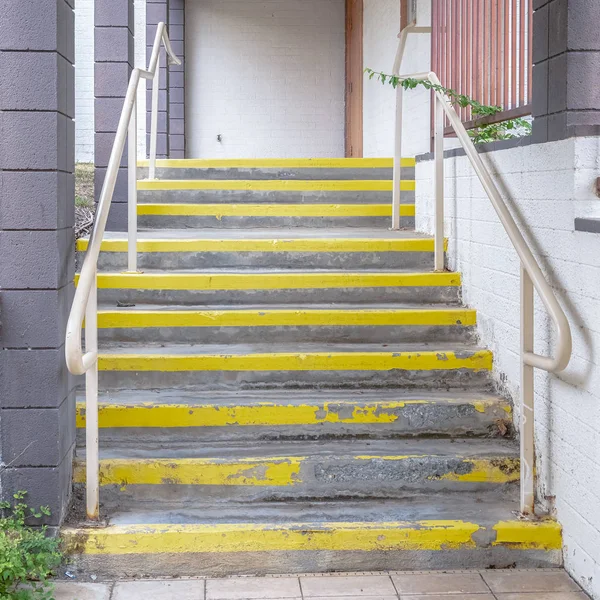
x=171, y=117
x=566, y=57
x=37, y=97
x=114, y=58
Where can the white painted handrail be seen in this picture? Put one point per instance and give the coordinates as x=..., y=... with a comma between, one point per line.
x=532, y=276
x=85, y=300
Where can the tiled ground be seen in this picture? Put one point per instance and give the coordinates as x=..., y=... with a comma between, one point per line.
x=456, y=585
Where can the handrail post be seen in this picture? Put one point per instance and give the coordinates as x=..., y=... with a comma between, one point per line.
x=396, y=194
x=154, y=121
x=92, y=464
x=132, y=192
x=527, y=396
x=439, y=184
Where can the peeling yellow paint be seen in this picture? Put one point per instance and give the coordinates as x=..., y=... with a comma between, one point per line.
x=275, y=163
x=274, y=281
x=487, y=470
x=478, y=360
x=150, y=539
x=276, y=185
x=196, y=471
x=544, y=534
x=259, y=414
x=285, y=318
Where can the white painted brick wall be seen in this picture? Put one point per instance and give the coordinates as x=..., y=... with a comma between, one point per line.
x=381, y=27
x=268, y=75
x=84, y=78
x=546, y=186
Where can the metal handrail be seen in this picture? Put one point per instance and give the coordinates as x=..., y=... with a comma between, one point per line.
x=85, y=302
x=532, y=276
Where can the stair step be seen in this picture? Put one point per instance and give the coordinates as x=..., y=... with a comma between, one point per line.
x=319, y=249
x=343, y=323
x=478, y=530
x=169, y=414
x=306, y=168
x=299, y=470
x=244, y=216
x=242, y=366
x=273, y=190
x=265, y=286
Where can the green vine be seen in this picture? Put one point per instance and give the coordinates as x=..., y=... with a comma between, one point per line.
x=504, y=130
x=28, y=555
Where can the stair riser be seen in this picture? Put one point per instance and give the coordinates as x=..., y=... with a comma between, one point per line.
x=225, y=335
x=363, y=295
x=223, y=564
x=117, y=261
x=187, y=196
x=306, y=174
x=246, y=380
x=183, y=222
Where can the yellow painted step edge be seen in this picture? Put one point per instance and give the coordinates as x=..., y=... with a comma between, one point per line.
x=273, y=210
x=431, y=535
x=276, y=185
x=267, y=245
x=118, y=319
x=275, y=163
x=260, y=414
x=478, y=360
x=286, y=471
x=272, y=281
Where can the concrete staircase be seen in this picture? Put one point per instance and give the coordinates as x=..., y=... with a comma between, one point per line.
x=288, y=387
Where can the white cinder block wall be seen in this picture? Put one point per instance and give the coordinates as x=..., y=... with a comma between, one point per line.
x=546, y=186
x=84, y=78
x=84, y=81
x=380, y=31
x=268, y=75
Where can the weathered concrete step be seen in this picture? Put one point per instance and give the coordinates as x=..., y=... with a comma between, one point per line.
x=173, y=415
x=182, y=474
x=288, y=168
x=447, y=531
x=270, y=191
x=247, y=286
x=244, y=216
x=301, y=323
x=299, y=248
x=244, y=366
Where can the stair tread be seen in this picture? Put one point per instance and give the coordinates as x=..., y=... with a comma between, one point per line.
x=279, y=271
x=338, y=449
x=482, y=507
x=192, y=397
x=287, y=348
x=269, y=233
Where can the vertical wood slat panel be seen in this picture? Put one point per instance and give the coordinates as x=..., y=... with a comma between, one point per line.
x=482, y=48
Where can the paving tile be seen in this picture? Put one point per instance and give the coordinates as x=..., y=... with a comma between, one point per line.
x=249, y=588
x=440, y=583
x=159, y=590
x=506, y=582
x=81, y=591
x=544, y=596
x=452, y=597
x=360, y=586
x=358, y=597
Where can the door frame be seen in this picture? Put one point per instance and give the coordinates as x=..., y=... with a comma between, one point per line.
x=354, y=79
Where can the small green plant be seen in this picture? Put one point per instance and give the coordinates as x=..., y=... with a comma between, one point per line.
x=28, y=557
x=504, y=130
